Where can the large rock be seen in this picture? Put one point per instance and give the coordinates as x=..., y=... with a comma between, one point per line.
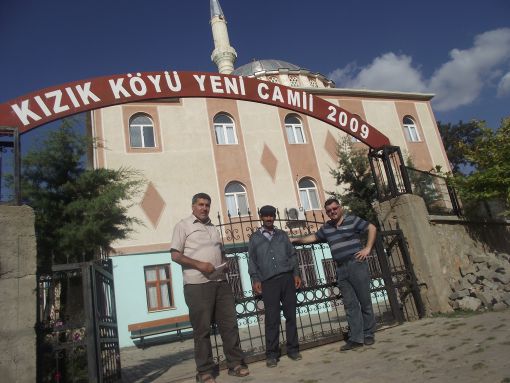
x=470, y=303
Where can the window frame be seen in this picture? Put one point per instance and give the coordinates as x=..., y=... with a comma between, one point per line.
x=141, y=131
x=293, y=127
x=157, y=284
x=236, y=195
x=411, y=130
x=307, y=191
x=224, y=129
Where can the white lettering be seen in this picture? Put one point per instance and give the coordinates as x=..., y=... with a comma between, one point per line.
x=155, y=81
x=293, y=98
x=332, y=114
x=176, y=85
x=304, y=100
x=85, y=93
x=57, y=107
x=342, y=119
x=42, y=105
x=241, y=83
x=231, y=85
x=216, y=84
x=117, y=88
x=23, y=113
x=277, y=94
x=310, y=102
x=200, y=80
x=265, y=95
x=138, y=86
x=72, y=97
x=364, y=131
x=354, y=125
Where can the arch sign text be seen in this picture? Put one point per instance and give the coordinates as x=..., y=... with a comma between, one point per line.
x=38, y=108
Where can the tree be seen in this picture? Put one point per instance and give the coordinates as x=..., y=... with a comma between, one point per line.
x=79, y=212
x=457, y=138
x=490, y=155
x=353, y=173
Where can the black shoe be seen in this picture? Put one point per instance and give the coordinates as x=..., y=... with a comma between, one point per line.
x=369, y=341
x=296, y=356
x=350, y=346
x=271, y=362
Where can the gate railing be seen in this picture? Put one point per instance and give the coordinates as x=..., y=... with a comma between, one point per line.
x=77, y=339
x=320, y=313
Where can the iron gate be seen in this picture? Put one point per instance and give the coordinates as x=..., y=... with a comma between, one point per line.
x=77, y=338
x=320, y=314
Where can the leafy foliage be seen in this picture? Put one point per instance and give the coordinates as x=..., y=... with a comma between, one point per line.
x=490, y=155
x=457, y=138
x=79, y=212
x=353, y=173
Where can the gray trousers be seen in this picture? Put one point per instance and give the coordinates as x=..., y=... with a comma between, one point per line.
x=207, y=302
x=354, y=282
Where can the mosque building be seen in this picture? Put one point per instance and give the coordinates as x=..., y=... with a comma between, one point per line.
x=243, y=154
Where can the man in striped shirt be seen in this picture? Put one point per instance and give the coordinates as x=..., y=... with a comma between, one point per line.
x=342, y=233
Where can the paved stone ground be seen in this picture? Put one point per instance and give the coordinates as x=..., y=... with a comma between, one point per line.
x=468, y=348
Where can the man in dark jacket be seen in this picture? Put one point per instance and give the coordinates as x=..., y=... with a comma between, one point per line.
x=274, y=270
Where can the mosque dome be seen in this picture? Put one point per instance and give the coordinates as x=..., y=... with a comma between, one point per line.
x=283, y=72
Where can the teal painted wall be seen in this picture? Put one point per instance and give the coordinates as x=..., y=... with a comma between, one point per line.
x=130, y=295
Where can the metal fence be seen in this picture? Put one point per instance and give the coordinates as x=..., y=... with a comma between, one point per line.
x=77, y=338
x=437, y=192
x=320, y=312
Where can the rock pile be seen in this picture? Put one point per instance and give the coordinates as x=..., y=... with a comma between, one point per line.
x=482, y=284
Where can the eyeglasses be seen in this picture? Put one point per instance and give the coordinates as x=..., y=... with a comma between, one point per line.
x=332, y=209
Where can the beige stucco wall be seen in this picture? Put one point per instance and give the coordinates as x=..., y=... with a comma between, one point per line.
x=186, y=162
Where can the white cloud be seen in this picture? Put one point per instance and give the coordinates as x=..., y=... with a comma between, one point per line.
x=457, y=82
x=504, y=85
x=388, y=72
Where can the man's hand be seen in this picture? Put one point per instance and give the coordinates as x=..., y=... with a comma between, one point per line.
x=362, y=254
x=257, y=287
x=205, y=267
x=297, y=281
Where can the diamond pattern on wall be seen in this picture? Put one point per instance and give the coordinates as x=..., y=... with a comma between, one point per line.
x=152, y=204
x=269, y=161
x=330, y=146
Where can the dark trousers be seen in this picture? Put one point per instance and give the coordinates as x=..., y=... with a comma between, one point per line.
x=208, y=301
x=275, y=290
x=354, y=283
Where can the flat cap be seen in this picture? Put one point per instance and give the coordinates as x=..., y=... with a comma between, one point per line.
x=267, y=210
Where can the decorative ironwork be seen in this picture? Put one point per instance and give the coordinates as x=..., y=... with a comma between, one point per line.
x=320, y=313
x=389, y=172
x=77, y=336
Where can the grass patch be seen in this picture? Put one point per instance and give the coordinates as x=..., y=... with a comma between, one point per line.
x=451, y=348
x=491, y=338
x=506, y=343
x=453, y=326
x=411, y=345
x=505, y=380
x=479, y=326
x=308, y=381
x=326, y=361
x=499, y=326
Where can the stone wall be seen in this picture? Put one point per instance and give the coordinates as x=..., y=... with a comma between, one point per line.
x=452, y=258
x=17, y=294
x=476, y=262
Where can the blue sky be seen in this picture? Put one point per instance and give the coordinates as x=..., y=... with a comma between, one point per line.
x=459, y=50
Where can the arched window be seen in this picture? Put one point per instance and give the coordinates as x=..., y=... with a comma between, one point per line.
x=294, y=129
x=308, y=194
x=410, y=130
x=224, y=129
x=236, y=199
x=141, y=131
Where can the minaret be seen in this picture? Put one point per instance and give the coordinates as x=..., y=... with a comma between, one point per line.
x=223, y=54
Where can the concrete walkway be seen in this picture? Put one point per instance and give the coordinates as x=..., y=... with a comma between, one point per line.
x=469, y=348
